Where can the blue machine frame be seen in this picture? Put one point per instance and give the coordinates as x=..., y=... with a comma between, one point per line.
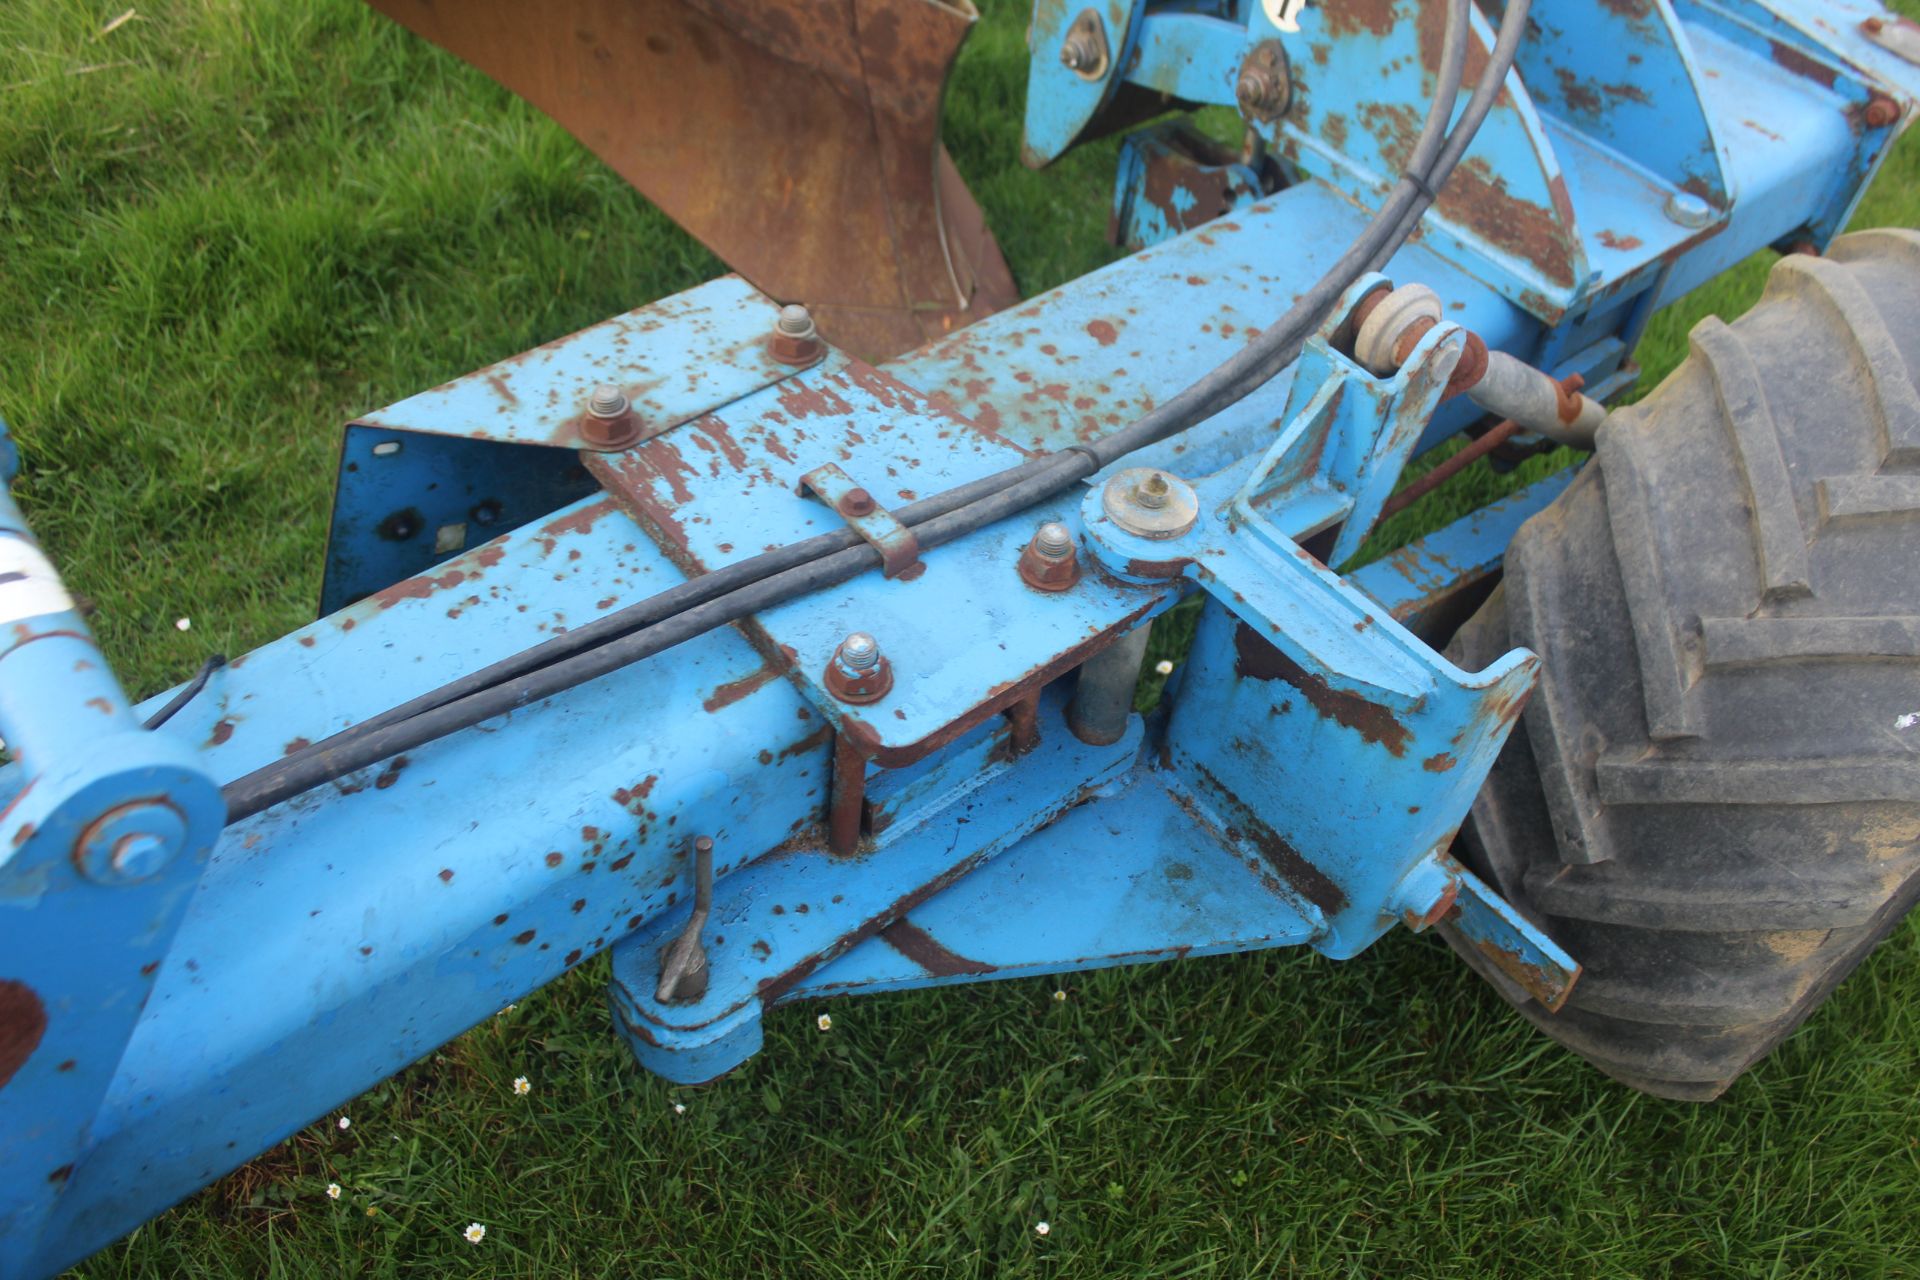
x=1300, y=785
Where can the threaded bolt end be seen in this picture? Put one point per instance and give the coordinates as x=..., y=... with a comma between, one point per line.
x=606, y=402
x=795, y=321
x=1053, y=540
x=1152, y=492
x=860, y=651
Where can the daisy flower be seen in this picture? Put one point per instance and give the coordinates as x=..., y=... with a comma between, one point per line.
x=474, y=1233
x=520, y=1087
x=824, y=1022
x=333, y=1191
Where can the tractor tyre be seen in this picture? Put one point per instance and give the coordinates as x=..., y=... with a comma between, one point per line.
x=1713, y=798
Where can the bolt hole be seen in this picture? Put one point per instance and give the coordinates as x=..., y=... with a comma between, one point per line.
x=401, y=525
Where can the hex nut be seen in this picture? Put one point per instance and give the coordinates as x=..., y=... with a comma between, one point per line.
x=858, y=672
x=1050, y=562
x=795, y=340
x=609, y=423
x=1264, y=88
x=1083, y=50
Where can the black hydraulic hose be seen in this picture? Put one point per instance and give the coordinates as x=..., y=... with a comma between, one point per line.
x=188, y=692
x=397, y=730
x=677, y=599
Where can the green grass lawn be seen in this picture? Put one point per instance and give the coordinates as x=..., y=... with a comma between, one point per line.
x=226, y=227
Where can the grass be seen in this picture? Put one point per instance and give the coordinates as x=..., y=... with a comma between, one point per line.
x=226, y=227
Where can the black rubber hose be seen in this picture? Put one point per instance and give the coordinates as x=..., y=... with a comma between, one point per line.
x=188, y=692
x=677, y=599
x=368, y=743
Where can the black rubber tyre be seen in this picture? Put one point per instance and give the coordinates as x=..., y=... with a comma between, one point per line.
x=1713, y=799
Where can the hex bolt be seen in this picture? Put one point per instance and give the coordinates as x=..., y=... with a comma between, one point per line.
x=1688, y=210
x=796, y=340
x=1264, y=88
x=858, y=672
x=1083, y=51
x=1881, y=111
x=607, y=402
x=1151, y=492
x=609, y=423
x=1049, y=562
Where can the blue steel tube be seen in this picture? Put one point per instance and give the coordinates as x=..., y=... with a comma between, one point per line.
x=102, y=835
x=58, y=698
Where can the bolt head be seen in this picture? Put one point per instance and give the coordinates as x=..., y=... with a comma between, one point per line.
x=1688, y=210
x=1881, y=112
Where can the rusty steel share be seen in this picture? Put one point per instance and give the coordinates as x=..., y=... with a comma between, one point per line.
x=799, y=141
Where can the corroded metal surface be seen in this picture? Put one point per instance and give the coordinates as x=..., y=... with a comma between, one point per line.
x=799, y=141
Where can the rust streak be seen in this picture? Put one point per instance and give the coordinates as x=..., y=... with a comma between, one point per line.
x=1256, y=659
x=23, y=1020
x=925, y=950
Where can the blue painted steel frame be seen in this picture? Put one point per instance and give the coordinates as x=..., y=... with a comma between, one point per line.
x=1300, y=790
x=1769, y=114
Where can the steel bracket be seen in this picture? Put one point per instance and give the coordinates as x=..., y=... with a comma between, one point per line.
x=899, y=549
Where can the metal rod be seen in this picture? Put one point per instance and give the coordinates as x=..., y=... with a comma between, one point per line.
x=846, y=812
x=1104, y=697
x=683, y=965
x=1495, y=436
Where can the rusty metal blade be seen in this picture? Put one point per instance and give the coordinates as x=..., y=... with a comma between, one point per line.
x=799, y=140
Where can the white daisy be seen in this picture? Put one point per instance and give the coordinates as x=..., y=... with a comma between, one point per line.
x=1163, y=667
x=345, y=1123
x=679, y=1108
x=1041, y=1228
x=474, y=1233
x=1060, y=996
x=824, y=1022
x=333, y=1191
x=183, y=624
x=520, y=1086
